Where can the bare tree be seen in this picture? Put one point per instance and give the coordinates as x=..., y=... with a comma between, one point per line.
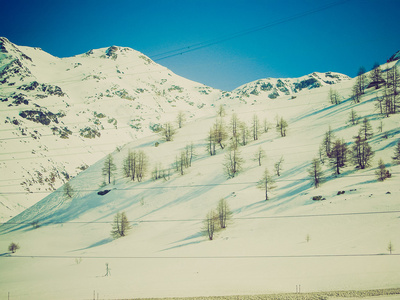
x=265, y=125
x=221, y=111
x=382, y=173
x=234, y=124
x=109, y=167
x=266, y=183
x=210, y=224
x=259, y=155
x=338, y=155
x=334, y=96
x=220, y=134
x=390, y=247
x=168, y=131
x=278, y=166
x=68, y=190
x=244, y=133
x=120, y=226
x=328, y=141
x=135, y=165
x=362, y=152
x=376, y=76
x=180, y=119
x=353, y=117
x=13, y=247
x=224, y=213
x=365, y=131
x=233, y=161
x=255, y=127
x=211, y=143
x=361, y=79
x=396, y=156
x=315, y=172
x=282, y=127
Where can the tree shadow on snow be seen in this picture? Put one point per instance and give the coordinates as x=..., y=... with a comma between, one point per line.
x=99, y=243
x=190, y=240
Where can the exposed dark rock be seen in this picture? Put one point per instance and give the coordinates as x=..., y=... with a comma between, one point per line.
x=307, y=83
x=266, y=86
x=89, y=132
x=39, y=116
x=46, y=88
x=102, y=193
x=273, y=95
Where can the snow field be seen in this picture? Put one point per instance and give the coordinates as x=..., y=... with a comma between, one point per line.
x=264, y=248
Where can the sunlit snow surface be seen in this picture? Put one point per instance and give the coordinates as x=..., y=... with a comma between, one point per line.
x=264, y=249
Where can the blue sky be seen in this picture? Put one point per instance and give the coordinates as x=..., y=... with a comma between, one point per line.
x=297, y=37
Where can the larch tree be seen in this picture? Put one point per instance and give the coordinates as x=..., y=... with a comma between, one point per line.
x=365, y=131
x=120, y=226
x=315, y=172
x=334, y=96
x=353, y=117
x=221, y=111
x=168, y=131
x=220, y=133
x=233, y=161
x=338, y=157
x=211, y=142
x=328, y=141
x=361, y=79
x=266, y=183
x=224, y=213
x=210, y=224
x=282, y=126
x=68, y=190
x=382, y=173
x=244, y=133
x=234, y=126
x=260, y=155
x=361, y=152
x=278, y=166
x=255, y=127
x=396, y=154
x=180, y=119
x=109, y=168
x=376, y=76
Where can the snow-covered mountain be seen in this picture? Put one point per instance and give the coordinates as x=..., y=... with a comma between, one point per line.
x=291, y=240
x=273, y=88
x=60, y=115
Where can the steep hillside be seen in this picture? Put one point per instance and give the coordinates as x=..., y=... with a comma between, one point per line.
x=60, y=115
x=339, y=242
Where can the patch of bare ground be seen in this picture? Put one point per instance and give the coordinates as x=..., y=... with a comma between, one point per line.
x=296, y=296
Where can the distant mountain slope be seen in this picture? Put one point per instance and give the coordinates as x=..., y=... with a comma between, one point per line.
x=60, y=115
x=273, y=88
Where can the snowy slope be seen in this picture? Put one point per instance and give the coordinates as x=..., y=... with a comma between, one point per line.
x=61, y=115
x=272, y=88
x=264, y=248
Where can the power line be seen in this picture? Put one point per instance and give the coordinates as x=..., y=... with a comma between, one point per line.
x=206, y=257
x=198, y=46
x=200, y=220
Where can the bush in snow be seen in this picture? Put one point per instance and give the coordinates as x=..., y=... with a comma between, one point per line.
x=13, y=247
